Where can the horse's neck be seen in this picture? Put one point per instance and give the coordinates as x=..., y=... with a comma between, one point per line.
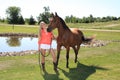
x=62, y=30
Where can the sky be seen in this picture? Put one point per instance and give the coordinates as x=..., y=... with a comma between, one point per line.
x=78, y=8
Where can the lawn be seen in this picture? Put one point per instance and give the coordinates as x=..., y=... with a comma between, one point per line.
x=100, y=63
x=113, y=25
x=95, y=63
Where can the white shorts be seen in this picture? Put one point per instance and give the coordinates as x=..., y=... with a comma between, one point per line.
x=47, y=46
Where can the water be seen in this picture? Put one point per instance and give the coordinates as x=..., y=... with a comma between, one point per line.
x=16, y=44
x=11, y=44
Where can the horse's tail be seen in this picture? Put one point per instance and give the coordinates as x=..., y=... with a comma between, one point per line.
x=89, y=39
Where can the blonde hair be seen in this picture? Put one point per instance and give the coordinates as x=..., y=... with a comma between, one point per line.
x=42, y=22
x=39, y=32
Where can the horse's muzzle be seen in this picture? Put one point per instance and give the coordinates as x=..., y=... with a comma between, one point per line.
x=49, y=29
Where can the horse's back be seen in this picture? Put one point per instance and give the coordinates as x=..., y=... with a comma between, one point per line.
x=76, y=31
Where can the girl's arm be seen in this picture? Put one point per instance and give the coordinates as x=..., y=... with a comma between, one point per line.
x=53, y=37
x=39, y=33
x=39, y=36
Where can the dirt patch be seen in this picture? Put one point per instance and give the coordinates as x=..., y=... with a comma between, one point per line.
x=6, y=64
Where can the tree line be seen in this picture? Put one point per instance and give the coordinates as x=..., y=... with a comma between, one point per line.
x=15, y=17
x=90, y=19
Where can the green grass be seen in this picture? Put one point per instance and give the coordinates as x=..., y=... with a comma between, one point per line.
x=93, y=64
x=103, y=35
x=113, y=25
x=96, y=63
x=18, y=28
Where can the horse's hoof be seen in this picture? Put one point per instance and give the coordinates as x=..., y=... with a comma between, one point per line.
x=56, y=71
x=67, y=66
x=75, y=61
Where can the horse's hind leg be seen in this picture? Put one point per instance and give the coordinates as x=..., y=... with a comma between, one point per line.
x=76, y=52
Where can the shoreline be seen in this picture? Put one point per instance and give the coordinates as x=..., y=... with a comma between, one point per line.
x=18, y=34
x=94, y=43
x=21, y=53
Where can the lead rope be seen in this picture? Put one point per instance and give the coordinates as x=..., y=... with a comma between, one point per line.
x=48, y=52
x=39, y=61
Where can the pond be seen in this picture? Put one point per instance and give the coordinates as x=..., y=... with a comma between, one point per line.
x=16, y=44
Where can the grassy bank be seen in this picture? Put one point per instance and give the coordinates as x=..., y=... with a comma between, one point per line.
x=96, y=63
x=113, y=25
x=93, y=64
x=18, y=28
x=104, y=35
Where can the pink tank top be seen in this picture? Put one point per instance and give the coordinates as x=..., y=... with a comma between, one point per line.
x=46, y=37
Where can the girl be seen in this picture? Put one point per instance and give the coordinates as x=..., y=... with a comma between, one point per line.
x=44, y=43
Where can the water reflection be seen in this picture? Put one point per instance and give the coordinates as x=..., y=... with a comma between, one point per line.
x=13, y=41
x=10, y=44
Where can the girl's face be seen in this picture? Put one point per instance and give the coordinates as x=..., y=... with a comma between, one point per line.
x=43, y=25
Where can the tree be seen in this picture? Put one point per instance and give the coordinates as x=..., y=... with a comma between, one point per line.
x=45, y=15
x=21, y=20
x=85, y=20
x=32, y=21
x=67, y=19
x=27, y=20
x=118, y=18
x=114, y=18
x=73, y=19
x=91, y=19
x=13, y=13
x=2, y=20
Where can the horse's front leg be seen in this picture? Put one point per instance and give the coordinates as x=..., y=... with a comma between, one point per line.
x=58, y=54
x=67, y=57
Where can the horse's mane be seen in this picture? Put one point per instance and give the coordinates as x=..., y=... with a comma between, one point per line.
x=63, y=23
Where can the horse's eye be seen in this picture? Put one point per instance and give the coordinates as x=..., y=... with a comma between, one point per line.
x=54, y=20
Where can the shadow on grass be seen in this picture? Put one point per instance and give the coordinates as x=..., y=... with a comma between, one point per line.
x=81, y=72
x=51, y=76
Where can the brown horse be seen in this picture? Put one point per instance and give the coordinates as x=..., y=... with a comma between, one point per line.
x=66, y=37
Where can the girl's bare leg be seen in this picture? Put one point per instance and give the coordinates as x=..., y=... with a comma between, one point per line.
x=43, y=60
x=42, y=57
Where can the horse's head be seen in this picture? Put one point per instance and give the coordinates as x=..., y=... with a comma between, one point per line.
x=54, y=22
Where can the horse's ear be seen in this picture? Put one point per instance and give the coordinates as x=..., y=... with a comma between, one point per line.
x=56, y=14
x=52, y=15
